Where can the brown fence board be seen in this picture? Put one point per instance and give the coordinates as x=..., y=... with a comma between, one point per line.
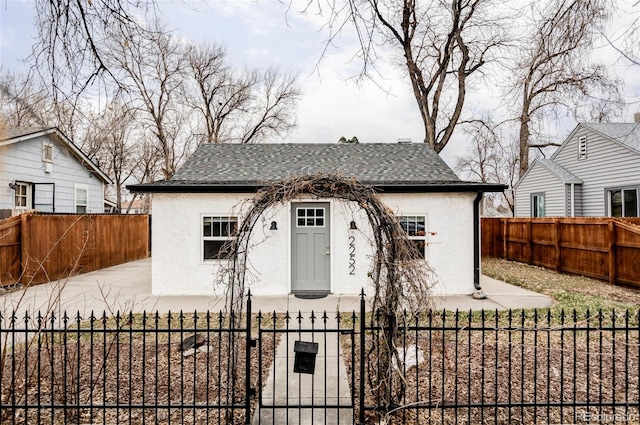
x=54, y=246
x=10, y=235
x=602, y=248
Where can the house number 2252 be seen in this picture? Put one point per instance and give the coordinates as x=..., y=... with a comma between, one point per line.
x=352, y=255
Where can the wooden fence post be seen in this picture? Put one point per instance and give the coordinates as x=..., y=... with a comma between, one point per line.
x=504, y=238
x=612, y=252
x=530, y=239
x=25, y=233
x=557, y=245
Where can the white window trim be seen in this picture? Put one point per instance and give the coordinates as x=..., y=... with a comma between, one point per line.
x=544, y=205
x=419, y=237
x=47, y=147
x=204, y=238
x=76, y=187
x=582, y=148
x=28, y=202
x=607, y=194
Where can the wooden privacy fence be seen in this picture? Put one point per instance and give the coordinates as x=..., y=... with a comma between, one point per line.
x=37, y=248
x=602, y=248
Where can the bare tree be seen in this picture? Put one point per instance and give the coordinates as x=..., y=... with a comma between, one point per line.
x=493, y=159
x=442, y=45
x=22, y=102
x=70, y=50
x=237, y=106
x=625, y=39
x=112, y=145
x=218, y=96
x=554, y=72
x=150, y=67
x=272, y=107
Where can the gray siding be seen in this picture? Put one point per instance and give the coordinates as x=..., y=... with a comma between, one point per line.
x=22, y=161
x=540, y=180
x=608, y=164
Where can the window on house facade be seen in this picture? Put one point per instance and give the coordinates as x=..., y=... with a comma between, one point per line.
x=310, y=217
x=216, y=231
x=22, y=198
x=47, y=152
x=415, y=226
x=537, y=205
x=81, y=198
x=623, y=202
x=582, y=147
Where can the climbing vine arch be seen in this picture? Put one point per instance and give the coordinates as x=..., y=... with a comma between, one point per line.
x=402, y=281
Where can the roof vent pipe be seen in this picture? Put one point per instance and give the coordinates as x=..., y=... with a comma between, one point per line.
x=404, y=140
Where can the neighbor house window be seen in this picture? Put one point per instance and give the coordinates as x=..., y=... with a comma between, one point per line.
x=47, y=152
x=537, y=205
x=623, y=202
x=216, y=231
x=415, y=226
x=22, y=199
x=81, y=198
x=582, y=147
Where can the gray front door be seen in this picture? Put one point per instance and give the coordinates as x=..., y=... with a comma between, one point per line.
x=310, y=248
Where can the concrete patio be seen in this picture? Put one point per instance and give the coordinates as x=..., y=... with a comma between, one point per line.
x=127, y=287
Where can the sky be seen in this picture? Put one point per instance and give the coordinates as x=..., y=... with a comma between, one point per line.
x=261, y=34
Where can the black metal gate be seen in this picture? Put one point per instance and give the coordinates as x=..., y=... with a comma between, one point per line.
x=308, y=381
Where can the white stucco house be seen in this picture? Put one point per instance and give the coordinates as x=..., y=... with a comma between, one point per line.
x=41, y=169
x=319, y=245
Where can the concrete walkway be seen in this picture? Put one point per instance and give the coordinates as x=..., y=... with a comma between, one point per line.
x=322, y=397
x=127, y=287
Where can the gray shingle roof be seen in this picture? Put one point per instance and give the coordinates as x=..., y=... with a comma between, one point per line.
x=626, y=133
x=372, y=163
x=562, y=174
x=13, y=132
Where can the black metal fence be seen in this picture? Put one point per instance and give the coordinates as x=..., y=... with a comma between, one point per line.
x=450, y=367
x=507, y=367
x=127, y=368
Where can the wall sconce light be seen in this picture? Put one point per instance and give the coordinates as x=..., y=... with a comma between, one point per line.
x=274, y=226
x=353, y=226
x=13, y=185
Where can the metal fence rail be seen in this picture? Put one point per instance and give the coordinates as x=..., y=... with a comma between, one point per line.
x=510, y=367
x=130, y=369
x=481, y=367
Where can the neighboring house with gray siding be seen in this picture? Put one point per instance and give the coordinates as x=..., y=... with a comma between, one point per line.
x=594, y=173
x=41, y=169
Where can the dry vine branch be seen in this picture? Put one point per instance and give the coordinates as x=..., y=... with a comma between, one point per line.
x=401, y=280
